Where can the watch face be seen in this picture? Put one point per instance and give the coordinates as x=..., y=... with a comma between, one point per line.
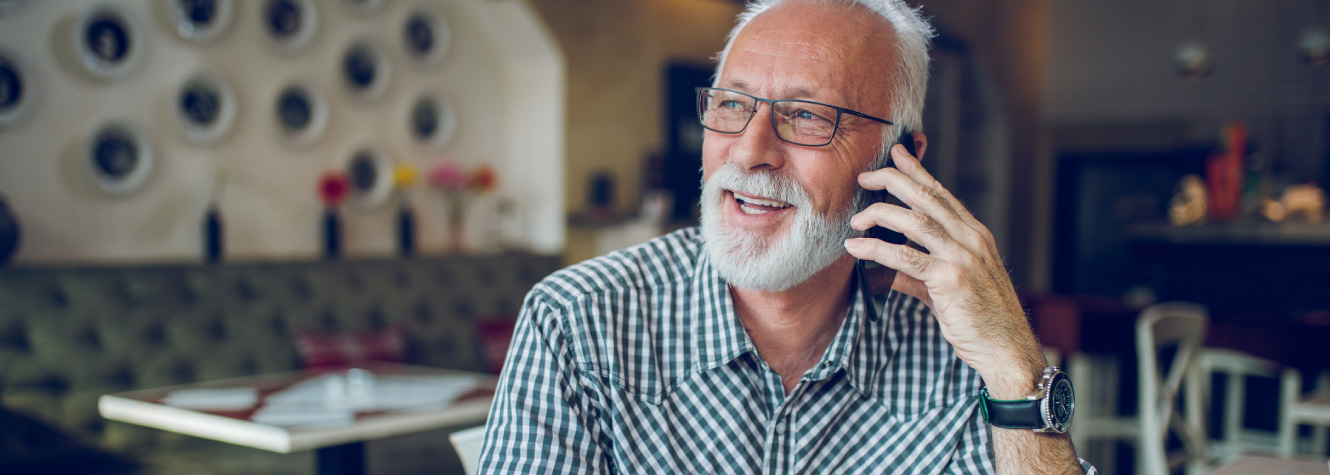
x=1061, y=403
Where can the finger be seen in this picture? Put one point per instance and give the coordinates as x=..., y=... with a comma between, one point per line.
x=917, y=226
x=902, y=258
x=927, y=201
x=910, y=166
x=912, y=287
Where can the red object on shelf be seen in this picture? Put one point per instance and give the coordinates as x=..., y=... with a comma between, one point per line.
x=1224, y=174
x=334, y=186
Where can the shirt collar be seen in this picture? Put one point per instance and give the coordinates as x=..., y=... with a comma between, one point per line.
x=719, y=337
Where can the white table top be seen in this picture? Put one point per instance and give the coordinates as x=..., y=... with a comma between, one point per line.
x=290, y=412
x=1257, y=464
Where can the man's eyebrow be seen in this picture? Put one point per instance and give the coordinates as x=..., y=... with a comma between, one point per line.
x=740, y=85
x=735, y=84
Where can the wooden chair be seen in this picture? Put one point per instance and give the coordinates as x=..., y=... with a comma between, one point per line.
x=1161, y=326
x=1296, y=409
x=1158, y=328
x=467, y=443
x=1236, y=439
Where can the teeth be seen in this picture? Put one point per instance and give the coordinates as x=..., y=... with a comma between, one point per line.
x=744, y=201
x=759, y=201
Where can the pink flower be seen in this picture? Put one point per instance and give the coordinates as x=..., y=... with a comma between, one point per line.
x=449, y=177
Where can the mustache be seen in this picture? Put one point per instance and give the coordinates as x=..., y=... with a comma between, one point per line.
x=764, y=184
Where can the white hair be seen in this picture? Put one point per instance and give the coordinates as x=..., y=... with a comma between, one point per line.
x=914, y=37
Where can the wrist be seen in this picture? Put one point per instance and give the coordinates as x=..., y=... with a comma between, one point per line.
x=1015, y=380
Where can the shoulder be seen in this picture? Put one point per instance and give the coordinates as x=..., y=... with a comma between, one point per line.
x=662, y=262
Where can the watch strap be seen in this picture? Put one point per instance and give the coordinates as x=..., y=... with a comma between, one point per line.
x=1018, y=414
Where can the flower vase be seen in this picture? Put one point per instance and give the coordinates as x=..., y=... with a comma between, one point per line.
x=457, y=227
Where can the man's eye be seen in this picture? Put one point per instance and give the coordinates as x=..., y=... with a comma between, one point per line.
x=804, y=114
x=732, y=104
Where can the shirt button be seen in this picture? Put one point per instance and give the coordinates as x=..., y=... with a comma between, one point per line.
x=780, y=427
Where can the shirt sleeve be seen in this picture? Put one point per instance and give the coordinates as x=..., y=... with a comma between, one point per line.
x=540, y=420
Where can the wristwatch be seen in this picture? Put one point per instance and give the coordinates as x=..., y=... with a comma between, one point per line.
x=1049, y=409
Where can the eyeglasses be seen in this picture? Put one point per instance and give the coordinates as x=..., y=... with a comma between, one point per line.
x=807, y=123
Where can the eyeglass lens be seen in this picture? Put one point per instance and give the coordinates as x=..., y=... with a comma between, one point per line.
x=798, y=122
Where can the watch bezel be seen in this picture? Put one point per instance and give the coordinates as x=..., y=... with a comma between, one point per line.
x=1052, y=379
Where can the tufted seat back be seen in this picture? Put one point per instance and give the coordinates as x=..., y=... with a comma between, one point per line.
x=70, y=334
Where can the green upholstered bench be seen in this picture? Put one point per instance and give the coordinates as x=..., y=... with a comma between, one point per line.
x=70, y=334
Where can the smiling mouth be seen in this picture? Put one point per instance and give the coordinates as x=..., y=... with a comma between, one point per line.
x=752, y=205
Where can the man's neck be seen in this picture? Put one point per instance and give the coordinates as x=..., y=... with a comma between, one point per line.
x=794, y=327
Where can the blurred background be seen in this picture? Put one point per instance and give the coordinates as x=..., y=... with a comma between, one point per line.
x=1123, y=153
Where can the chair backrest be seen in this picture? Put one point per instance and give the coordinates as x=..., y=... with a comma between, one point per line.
x=467, y=443
x=1161, y=326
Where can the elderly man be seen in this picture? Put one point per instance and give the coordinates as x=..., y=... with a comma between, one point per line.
x=751, y=344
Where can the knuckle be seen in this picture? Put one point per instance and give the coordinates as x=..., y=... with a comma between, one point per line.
x=908, y=256
x=919, y=219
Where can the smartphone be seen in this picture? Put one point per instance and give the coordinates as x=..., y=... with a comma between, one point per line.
x=874, y=278
x=881, y=196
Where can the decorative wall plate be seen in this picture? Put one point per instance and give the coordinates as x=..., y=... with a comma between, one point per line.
x=370, y=174
x=432, y=121
x=200, y=21
x=119, y=158
x=365, y=70
x=290, y=24
x=301, y=113
x=205, y=107
x=426, y=37
x=107, y=41
x=17, y=88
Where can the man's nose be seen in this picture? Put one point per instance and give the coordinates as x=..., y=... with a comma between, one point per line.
x=758, y=146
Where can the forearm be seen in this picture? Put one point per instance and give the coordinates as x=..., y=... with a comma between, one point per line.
x=1023, y=451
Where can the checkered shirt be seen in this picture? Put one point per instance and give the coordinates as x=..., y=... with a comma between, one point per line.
x=635, y=362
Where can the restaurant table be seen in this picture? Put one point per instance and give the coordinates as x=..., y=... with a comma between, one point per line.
x=332, y=411
x=1262, y=465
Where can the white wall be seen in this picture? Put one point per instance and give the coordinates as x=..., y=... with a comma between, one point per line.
x=504, y=76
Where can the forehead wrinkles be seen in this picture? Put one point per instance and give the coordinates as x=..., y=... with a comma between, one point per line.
x=839, y=52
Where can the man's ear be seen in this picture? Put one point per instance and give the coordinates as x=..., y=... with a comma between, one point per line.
x=920, y=144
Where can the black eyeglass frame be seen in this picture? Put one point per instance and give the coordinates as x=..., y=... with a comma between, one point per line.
x=771, y=110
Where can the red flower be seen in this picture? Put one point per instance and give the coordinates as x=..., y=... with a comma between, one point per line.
x=333, y=188
x=484, y=179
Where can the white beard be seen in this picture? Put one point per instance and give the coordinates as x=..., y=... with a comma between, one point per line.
x=770, y=263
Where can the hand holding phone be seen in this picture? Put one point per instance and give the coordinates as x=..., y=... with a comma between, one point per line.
x=881, y=196
x=875, y=278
